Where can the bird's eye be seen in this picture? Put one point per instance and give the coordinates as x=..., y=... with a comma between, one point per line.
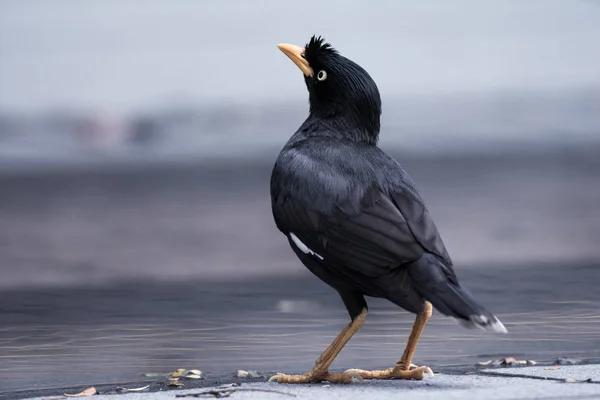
x=322, y=75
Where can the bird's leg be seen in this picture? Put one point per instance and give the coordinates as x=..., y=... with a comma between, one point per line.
x=415, y=334
x=320, y=372
x=402, y=368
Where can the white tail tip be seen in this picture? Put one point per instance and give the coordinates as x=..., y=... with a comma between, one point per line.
x=481, y=322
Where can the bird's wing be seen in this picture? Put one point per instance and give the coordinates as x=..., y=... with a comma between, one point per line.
x=389, y=230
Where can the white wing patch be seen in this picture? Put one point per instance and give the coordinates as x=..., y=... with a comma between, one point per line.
x=303, y=248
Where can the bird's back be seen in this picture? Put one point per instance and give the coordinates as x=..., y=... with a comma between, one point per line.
x=322, y=182
x=327, y=173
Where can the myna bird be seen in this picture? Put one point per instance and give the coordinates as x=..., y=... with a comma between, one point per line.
x=354, y=217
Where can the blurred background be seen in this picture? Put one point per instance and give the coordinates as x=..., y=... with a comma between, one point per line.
x=136, y=143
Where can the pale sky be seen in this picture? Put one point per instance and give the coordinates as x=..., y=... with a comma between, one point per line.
x=125, y=55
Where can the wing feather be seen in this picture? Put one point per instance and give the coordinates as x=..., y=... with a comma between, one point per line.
x=354, y=206
x=380, y=238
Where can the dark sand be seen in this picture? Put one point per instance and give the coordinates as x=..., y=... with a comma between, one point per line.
x=106, y=276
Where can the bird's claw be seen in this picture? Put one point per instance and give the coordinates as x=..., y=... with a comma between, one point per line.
x=275, y=377
x=418, y=373
x=345, y=377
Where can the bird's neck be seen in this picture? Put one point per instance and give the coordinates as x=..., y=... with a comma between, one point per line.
x=353, y=127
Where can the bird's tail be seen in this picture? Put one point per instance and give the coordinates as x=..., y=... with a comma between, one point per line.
x=436, y=284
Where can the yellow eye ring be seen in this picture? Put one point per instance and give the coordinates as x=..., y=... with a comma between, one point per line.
x=322, y=75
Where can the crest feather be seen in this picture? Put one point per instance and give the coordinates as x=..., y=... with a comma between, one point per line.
x=317, y=47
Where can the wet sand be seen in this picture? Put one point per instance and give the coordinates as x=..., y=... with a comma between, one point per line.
x=108, y=275
x=82, y=336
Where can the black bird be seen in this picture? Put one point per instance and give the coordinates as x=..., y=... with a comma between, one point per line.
x=354, y=217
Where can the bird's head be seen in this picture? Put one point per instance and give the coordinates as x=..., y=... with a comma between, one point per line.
x=340, y=91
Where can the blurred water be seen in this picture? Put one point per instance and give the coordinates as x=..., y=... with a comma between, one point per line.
x=509, y=122
x=213, y=220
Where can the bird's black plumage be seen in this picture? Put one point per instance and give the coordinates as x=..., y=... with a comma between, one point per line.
x=350, y=212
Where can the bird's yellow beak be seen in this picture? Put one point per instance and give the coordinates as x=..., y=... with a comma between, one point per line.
x=296, y=54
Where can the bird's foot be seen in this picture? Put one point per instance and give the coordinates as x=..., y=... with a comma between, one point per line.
x=418, y=373
x=312, y=377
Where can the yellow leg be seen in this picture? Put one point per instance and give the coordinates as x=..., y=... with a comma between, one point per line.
x=402, y=368
x=320, y=372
